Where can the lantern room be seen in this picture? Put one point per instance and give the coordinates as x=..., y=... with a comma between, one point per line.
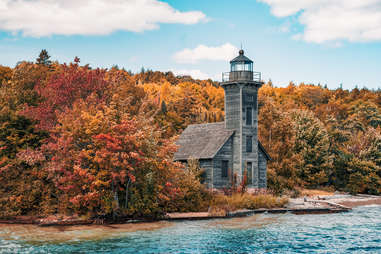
x=241, y=63
x=241, y=69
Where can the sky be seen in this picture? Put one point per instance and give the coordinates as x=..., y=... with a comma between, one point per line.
x=327, y=42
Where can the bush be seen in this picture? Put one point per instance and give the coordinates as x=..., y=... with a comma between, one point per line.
x=245, y=201
x=192, y=195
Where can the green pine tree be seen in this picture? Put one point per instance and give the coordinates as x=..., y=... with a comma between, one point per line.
x=43, y=58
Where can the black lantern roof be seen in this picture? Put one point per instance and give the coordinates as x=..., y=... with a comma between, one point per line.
x=241, y=58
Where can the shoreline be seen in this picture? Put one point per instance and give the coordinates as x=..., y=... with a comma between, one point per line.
x=308, y=205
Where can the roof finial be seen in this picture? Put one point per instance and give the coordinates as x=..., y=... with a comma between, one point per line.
x=241, y=52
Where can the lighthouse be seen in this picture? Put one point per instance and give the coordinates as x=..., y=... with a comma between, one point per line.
x=231, y=148
x=241, y=86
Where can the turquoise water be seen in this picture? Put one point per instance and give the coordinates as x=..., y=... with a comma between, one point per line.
x=358, y=231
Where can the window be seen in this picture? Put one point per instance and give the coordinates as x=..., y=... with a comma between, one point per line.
x=224, y=168
x=249, y=116
x=203, y=177
x=250, y=98
x=249, y=144
x=249, y=172
x=248, y=67
x=241, y=66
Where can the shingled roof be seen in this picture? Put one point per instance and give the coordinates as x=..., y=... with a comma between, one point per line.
x=202, y=141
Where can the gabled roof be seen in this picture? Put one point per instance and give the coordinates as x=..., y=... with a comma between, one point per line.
x=202, y=141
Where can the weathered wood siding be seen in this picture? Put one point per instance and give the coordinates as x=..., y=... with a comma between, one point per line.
x=236, y=103
x=250, y=130
x=232, y=106
x=262, y=165
x=233, y=121
x=207, y=165
x=225, y=153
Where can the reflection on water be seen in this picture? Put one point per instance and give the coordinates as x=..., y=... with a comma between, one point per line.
x=255, y=221
x=59, y=234
x=358, y=231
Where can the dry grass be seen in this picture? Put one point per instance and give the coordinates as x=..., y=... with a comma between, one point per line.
x=222, y=204
x=313, y=193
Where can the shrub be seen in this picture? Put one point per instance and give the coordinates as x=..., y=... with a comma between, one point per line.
x=191, y=195
x=245, y=201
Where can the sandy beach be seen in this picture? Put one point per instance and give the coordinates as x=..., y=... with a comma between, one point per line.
x=346, y=200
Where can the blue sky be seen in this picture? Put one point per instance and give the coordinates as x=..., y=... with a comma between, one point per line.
x=317, y=41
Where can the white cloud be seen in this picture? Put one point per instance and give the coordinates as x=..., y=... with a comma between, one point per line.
x=333, y=20
x=89, y=17
x=196, y=74
x=224, y=52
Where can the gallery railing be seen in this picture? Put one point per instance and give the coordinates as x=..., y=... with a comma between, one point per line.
x=241, y=76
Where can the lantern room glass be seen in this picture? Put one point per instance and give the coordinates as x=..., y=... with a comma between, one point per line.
x=242, y=66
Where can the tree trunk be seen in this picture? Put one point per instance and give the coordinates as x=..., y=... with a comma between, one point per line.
x=127, y=188
x=116, y=200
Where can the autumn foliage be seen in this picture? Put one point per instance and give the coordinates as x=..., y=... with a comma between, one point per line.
x=100, y=142
x=321, y=138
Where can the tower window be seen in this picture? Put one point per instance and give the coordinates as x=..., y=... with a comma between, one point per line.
x=249, y=144
x=249, y=116
x=250, y=98
x=224, y=169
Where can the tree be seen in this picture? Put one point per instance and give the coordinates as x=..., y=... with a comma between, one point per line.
x=191, y=194
x=77, y=60
x=24, y=188
x=5, y=74
x=312, y=143
x=103, y=164
x=20, y=89
x=43, y=58
x=62, y=89
x=277, y=134
x=364, y=164
x=100, y=142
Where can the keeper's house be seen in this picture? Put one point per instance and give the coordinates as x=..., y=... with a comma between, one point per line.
x=231, y=147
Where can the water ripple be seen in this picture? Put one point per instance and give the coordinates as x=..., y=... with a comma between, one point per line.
x=356, y=232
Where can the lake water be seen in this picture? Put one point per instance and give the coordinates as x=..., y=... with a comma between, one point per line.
x=358, y=231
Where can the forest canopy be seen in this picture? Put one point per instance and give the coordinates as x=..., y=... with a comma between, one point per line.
x=100, y=141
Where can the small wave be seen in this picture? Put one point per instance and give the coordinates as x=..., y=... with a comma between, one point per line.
x=356, y=232
x=9, y=247
x=367, y=248
x=371, y=205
